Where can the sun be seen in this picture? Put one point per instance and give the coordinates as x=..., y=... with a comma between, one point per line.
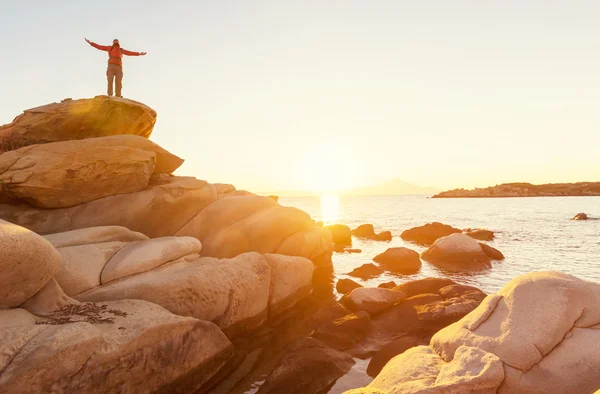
x=325, y=168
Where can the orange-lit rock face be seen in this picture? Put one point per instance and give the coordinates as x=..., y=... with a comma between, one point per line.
x=78, y=119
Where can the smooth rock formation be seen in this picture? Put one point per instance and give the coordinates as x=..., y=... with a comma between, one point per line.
x=345, y=286
x=108, y=347
x=400, y=260
x=340, y=234
x=538, y=334
x=69, y=173
x=307, y=368
x=366, y=271
x=291, y=278
x=480, y=234
x=94, y=235
x=373, y=299
x=79, y=119
x=388, y=285
x=27, y=263
x=232, y=293
x=344, y=332
x=424, y=286
x=427, y=234
x=391, y=350
x=457, y=252
x=332, y=310
x=382, y=236
x=141, y=256
x=48, y=300
x=492, y=253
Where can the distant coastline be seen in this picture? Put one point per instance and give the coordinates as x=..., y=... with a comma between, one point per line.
x=523, y=189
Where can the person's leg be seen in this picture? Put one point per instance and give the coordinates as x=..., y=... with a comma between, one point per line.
x=110, y=76
x=119, y=81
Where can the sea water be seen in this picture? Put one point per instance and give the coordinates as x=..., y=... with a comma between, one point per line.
x=533, y=233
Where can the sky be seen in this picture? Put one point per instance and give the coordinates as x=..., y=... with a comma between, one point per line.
x=324, y=95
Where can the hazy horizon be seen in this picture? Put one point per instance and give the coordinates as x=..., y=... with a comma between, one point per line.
x=328, y=96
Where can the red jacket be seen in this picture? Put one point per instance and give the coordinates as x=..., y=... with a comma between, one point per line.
x=115, y=53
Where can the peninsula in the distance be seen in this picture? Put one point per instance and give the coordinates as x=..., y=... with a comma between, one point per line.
x=526, y=190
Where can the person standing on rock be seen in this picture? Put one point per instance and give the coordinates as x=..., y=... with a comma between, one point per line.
x=115, y=64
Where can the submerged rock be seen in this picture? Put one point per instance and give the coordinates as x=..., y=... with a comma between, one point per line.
x=427, y=234
x=307, y=368
x=344, y=332
x=480, y=234
x=457, y=252
x=79, y=119
x=580, y=216
x=400, y=260
x=366, y=271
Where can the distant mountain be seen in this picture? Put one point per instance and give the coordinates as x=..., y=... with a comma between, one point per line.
x=389, y=188
x=526, y=190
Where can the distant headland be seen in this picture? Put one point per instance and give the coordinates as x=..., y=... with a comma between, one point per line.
x=526, y=190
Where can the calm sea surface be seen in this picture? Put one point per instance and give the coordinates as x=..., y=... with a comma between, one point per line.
x=535, y=234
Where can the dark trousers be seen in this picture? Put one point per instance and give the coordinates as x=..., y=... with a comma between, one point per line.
x=114, y=73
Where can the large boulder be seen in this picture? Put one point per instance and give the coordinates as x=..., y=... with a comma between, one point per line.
x=538, y=334
x=141, y=256
x=79, y=119
x=108, y=347
x=308, y=368
x=27, y=263
x=68, y=173
x=544, y=328
x=160, y=210
x=400, y=260
x=94, y=235
x=232, y=293
x=345, y=285
x=391, y=350
x=457, y=252
x=427, y=234
x=291, y=281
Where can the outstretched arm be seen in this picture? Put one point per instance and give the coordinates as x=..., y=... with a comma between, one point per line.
x=132, y=53
x=100, y=47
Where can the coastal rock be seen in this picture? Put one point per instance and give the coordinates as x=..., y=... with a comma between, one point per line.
x=372, y=299
x=48, y=300
x=28, y=262
x=290, y=282
x=232, y=293
x=457, y=252
x=366, y=271
x=114, y=346
x=94, y=235
x=340, y=234
x=81, y=265
x=419, y=370
x=388, y=285
x=345, y=286
x=580, y=216
x=523, y=189
x=400, y=260
x=427, y=234
x=382, y=236
x=79, y=119
x=344, y=332
x=62, y=174
x=480, y=234
x=157, y=211
x=492, y=253
x=424, y=286
x=332, y=310
x=364, y=231
x=532, y=344
x=141, y=256
x=391, y=350
x=309, y=367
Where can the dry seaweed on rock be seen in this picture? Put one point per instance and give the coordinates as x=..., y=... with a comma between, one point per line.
x=86, y=312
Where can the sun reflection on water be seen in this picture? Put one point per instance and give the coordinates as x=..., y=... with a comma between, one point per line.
x=330, y=208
